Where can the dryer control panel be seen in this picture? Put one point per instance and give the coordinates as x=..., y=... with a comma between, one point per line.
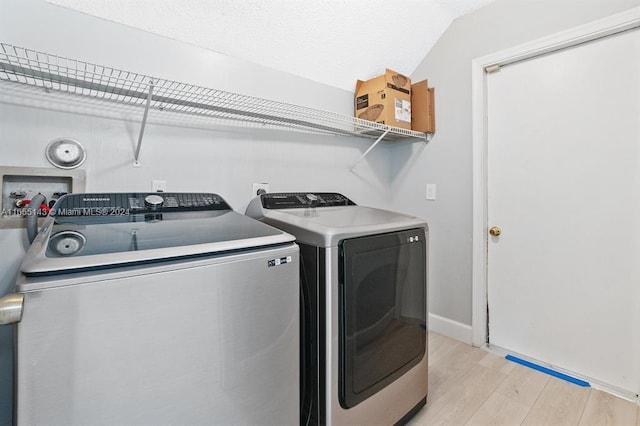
x=123, y=204
x=295, y=200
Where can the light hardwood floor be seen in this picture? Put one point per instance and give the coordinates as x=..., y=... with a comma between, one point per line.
x=470, y=386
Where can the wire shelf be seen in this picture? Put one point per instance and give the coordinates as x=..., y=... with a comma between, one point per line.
x=60, y=74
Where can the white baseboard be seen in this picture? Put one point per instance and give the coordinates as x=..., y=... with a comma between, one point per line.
x=450, y=328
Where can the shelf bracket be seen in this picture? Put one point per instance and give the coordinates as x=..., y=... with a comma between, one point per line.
x=136, y=163
x=364, y=154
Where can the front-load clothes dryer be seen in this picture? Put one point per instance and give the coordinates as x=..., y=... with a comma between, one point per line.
x=364, y=310
x=151, y=309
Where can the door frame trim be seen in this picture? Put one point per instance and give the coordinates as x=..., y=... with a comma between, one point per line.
x=613, y=24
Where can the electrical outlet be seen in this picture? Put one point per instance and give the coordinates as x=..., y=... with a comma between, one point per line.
x=258, y=188
x=431, y=191
x=159, y=185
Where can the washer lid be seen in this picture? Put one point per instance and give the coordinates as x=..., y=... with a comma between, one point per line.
x=93, y=242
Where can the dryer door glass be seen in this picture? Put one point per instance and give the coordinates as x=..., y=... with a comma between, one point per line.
x=382, y=311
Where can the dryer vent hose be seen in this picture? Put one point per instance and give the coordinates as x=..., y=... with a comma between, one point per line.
x=32, y=216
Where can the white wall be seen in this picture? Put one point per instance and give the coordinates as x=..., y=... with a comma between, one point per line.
x=189, y=159
x=447, y=160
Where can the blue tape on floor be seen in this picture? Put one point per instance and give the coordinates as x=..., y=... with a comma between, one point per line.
x=548, y=371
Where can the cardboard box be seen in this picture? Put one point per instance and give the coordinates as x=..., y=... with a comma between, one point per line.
x=423, y=108
x=385, y=99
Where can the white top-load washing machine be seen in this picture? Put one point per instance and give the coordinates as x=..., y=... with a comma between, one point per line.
x=151, y=309
x=364, y=286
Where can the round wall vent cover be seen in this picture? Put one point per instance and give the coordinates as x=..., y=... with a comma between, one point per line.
x=65, y=153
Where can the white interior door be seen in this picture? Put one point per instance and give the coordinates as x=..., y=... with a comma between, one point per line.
x=563, y=282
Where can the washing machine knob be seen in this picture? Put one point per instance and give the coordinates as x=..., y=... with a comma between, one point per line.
x=153, y=201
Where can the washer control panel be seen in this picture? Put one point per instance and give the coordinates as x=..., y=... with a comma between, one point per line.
x=123, y=204
x=296, y=200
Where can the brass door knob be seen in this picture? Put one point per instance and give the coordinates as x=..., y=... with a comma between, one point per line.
x=495, y=231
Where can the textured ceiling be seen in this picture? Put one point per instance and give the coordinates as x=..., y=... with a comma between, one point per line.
x=329, y=41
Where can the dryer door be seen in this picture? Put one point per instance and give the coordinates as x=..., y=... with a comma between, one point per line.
x=382, y=311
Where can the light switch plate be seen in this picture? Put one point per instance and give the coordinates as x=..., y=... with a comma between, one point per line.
x=431, y=191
